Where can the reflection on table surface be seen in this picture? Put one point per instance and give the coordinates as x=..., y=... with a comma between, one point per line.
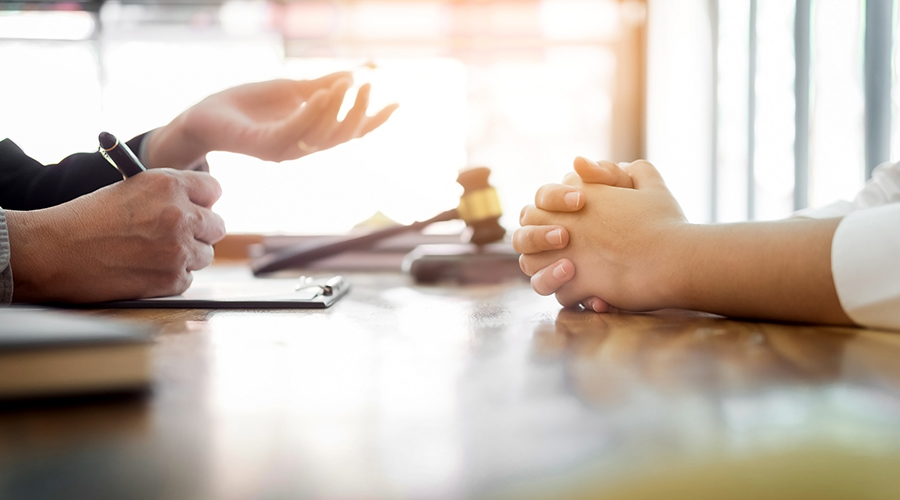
x=401, y=391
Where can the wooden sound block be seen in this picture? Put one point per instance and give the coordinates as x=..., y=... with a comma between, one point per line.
x=463, y=263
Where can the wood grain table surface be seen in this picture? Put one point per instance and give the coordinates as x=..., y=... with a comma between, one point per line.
x=487, y=391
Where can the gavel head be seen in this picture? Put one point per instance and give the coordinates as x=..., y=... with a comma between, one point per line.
x=479, y=207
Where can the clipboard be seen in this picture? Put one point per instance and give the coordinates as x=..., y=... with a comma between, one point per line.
x=236, y=288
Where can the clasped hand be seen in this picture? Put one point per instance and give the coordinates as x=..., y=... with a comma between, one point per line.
x=600, y=238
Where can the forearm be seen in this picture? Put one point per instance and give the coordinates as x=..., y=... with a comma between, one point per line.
x=34, y=253
x=776, y=270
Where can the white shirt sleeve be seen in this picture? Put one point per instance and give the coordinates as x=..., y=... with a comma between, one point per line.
x=865, y=252
x=865, y=264
x=882, y=188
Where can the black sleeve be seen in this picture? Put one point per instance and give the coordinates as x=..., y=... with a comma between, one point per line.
x=25, y=184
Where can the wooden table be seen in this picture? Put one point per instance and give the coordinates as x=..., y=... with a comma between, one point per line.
x=403, y=391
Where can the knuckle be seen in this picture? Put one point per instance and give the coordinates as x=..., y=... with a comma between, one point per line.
x=528, y=264
x=209, y=225
x=171, y=255
x=165, y=182
x=182, y=257
x=202, y=258
x=172, y=282
x=530, y=239
x=546, y=197
x=607, y=164
x=639, y=165
x=566, y=300
x=207, y=256
x=218, y=228
x=525, y=214
x=173, y=217
x=523, y=264
x=572, y=179
x=214, y=185
x=540, y=196
x=539, y=286
x=518, y=238
x=552, y=198
x=182, y=282
x=178, y=257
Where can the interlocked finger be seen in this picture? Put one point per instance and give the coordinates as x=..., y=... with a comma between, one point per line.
x=559, y=198
x=532, y=263
x=534, y=239
x=549, y=279
x=533, y=216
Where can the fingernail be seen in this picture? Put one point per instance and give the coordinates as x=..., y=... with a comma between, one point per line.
x=595, y=305
x=559, y=272
x=572, y=199
x=555, y=237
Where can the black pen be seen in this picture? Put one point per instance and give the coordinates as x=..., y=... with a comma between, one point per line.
x=120, y=155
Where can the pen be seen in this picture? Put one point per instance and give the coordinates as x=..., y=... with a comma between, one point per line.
x=119, y=155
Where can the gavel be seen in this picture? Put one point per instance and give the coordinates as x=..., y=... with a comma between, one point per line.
x=479, y=207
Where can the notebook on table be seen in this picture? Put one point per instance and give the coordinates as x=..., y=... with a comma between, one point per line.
x=45, y=352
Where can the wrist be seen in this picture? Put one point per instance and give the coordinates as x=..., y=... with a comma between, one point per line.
x=682, y=263
x=34, y=254
x=177, y=145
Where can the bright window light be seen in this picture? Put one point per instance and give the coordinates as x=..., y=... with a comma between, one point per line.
x=48, y=116
x=836, y=125
x=495, y=83
x=579, y=19
x=406, y=170
x=774, y=166
x=732, y=113
x=43, y=25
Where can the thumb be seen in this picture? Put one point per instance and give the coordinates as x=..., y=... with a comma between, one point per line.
x=602, y=172
x=644, y=175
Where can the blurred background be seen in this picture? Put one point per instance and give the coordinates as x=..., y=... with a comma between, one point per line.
x=750, y=108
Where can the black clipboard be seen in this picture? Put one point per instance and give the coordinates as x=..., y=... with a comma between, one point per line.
x=236, y=288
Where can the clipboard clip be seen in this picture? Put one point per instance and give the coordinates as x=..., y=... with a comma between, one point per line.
x=326, y=286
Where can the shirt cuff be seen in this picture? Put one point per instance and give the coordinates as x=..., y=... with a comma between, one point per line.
x=142, y=151
x=865, y=264
x=6, y=278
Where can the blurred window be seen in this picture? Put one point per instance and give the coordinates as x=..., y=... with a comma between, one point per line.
x=725, y=125
x=518, y=86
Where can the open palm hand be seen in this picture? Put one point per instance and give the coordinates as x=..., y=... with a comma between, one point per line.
x=275, y=120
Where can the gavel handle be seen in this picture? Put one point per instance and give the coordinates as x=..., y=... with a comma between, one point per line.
x=304, y=253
